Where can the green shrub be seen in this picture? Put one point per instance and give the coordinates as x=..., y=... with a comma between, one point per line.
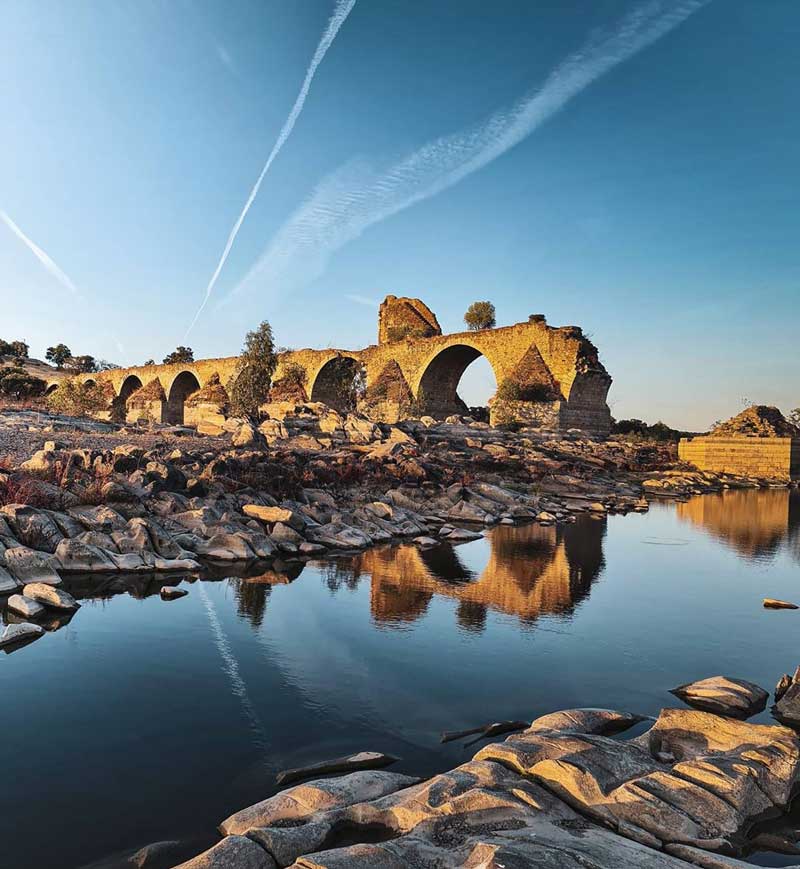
x=74, y=398
x=512, y=390
x=18, y=383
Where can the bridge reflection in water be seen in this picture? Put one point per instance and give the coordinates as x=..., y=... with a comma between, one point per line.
x=527, y=572
x=756, y=523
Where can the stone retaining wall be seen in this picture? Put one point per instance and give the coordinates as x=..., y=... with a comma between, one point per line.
x=777, y=458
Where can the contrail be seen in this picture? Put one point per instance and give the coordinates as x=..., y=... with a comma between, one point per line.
x=359, y=195
x=231, y=667
x=340, y=13
x=43, y=258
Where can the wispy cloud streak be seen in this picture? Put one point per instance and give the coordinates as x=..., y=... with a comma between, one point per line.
x=62, y=277
x=231, y=667
x=359, y=194
x=340, y=13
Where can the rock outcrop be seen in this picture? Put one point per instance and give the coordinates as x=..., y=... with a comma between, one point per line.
x=561, y=794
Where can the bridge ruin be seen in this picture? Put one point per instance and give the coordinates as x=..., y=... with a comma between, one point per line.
x=549, y=377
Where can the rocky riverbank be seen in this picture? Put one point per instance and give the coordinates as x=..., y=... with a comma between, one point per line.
x=86, y=498
x=693, y=790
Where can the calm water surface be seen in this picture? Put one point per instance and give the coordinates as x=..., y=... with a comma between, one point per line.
x=143, y=720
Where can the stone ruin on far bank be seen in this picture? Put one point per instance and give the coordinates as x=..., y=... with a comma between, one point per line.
x=548, y=377
x=758, y=442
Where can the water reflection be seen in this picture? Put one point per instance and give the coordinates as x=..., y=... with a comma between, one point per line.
x=529, y=572
x=755, y=523
x=253, y=591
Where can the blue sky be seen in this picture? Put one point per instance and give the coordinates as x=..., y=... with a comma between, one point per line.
x=657, y=207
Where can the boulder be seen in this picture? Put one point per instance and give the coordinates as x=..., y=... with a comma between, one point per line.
x=25, y=606
x=600, y=721
x=271, y=515
x=304, y=800
x=247, y=435
x=77, y=557
x=8, y=583
x=19, y=633
x=28, y=565
x=724, y=696
x=170, y=593
x=49, y=596
x=33, y=527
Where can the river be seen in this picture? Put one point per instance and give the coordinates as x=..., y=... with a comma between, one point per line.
x=143, y=720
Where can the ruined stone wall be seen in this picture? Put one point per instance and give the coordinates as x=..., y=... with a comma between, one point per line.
x=430, y=368
x=776, y=458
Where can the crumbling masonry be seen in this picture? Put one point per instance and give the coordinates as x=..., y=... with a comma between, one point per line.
x=547, y=376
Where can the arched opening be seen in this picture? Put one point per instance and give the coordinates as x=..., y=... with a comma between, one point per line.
x=182, y=387
x=339, y=384
x=456, y=379
x=51, y=389
x=119, y=406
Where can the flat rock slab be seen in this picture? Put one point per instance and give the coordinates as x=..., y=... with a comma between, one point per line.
x=28, y=565
x=169, y=593
x=302, y=801
x=349, y=763
x=723, y=695
x=587, y=720
x=50, y=596
x=25, y=606
x=233, y=852
x=21, y=633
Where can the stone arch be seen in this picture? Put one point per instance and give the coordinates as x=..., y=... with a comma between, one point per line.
x=181, y=388
x=437, y=388
x=52, y=387
x=332, y=383
x=119, y=405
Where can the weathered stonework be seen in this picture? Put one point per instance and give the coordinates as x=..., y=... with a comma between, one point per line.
x=774, y=458
x=558, y=361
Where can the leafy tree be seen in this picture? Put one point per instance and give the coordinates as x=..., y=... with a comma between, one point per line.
x=58, y=355
x=81, y=364
x=257, y=364
x=794, y=417
x=105, y=365
x=19, y=349
x=18, y=383
x=480, y=315
x=78, y=399
x=180, y=354
x=150, y=362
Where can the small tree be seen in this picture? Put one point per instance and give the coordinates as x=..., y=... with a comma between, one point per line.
x=58, y=355
x=794, y=417
x=81, y=364
x=257, y=364
x=179, y=354
x=78, y=399
x=19, y=349
x=150, y=362
x=480, y=315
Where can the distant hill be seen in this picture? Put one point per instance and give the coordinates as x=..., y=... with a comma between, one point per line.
x=36, y=367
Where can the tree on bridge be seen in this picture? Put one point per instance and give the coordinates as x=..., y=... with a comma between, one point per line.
x=179, y=354
x=480, y=315
x=257, y=364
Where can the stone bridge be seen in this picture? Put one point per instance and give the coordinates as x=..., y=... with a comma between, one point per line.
x=547, y=376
